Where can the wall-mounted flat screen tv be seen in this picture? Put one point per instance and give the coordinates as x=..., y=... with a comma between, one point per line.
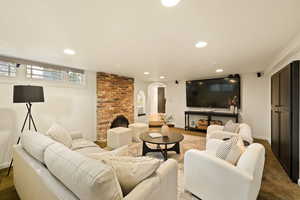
x=213, y=93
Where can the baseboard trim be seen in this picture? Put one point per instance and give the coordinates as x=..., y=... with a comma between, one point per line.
x=4, y=165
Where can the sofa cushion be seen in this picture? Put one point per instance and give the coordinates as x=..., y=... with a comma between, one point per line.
x=60, y=134
x=131, y=170
x=88, y=179
x=82, y=143
x=121, y=151
x=90, y=150
x=36, y=144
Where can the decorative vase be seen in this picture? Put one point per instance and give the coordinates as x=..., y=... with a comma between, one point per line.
x=165, y=130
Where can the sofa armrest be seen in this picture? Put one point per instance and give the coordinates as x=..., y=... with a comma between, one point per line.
x=168, y=176
x=161, y=185
x=209, y=177
x=76, y=135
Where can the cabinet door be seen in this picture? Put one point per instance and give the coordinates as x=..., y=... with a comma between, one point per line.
x=275, y=116
x=285, y=144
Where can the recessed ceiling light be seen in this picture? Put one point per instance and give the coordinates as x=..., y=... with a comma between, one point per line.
x=146, y=73
x=169, y=3
x=161, y=77
x=69, y=51
x=219, y=70
x=201, y=44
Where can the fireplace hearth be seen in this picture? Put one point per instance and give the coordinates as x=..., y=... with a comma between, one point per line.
x=120, y=121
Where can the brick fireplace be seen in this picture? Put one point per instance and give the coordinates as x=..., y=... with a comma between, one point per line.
x=114, y=98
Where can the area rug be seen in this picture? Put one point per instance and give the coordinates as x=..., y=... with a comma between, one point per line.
x=189, y=142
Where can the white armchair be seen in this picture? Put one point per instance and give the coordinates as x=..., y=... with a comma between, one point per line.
x=211, y=178
x=216, y=132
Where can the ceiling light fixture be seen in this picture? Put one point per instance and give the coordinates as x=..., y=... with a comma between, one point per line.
x=161, y=77
x=201, y=44
x=169, y=3
x=219, y=70
x=69, y=51
x=146, y=73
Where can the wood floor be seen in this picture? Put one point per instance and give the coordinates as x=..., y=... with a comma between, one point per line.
x=276, y=185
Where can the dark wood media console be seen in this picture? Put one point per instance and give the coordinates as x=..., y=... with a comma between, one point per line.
x=209, y=117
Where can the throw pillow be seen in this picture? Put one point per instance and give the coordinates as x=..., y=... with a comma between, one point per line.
x=230, y=150
x=36, y=144
x=131, y=170
x=60, y=134
x=231, y=127
x=121, y=151
x=87, y=178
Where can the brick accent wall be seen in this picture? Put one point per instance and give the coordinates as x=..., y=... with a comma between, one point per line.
x=114, y=97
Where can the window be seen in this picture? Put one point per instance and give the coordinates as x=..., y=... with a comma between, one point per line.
x=8, y=69
x=53, y=73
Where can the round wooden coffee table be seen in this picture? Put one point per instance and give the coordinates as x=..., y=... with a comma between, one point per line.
x=173, y=138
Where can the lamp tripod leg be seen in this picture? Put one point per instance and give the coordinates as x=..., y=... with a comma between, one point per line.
x=28, y=115
x=31, y=118
x=24, y=123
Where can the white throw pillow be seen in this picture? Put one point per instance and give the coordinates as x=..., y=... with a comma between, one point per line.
x=231, y=127
x=131, y=170
x=35, y=144
x=87, y=178
x=60, y=134
x=230, y=150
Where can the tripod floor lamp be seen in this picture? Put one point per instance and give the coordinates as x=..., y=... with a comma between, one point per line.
x=27, y=94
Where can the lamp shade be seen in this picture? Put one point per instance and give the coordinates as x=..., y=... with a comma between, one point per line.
x=28, y=94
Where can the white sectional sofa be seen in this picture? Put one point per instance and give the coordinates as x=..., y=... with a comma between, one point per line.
x=45, y=169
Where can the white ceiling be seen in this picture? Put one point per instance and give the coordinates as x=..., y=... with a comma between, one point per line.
x=129, y=37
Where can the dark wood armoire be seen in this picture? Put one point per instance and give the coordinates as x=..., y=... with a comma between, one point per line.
x=285, y=118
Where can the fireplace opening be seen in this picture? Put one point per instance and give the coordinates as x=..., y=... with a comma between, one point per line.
x=120, y=121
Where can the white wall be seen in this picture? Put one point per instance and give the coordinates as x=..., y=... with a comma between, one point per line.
x=176, y=102
x=255, y=94
x=254, y=97
x=72, y=106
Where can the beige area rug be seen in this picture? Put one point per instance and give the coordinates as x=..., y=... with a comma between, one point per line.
x=189, y=142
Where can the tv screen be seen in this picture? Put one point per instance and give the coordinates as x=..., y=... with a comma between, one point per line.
x=213, y=93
